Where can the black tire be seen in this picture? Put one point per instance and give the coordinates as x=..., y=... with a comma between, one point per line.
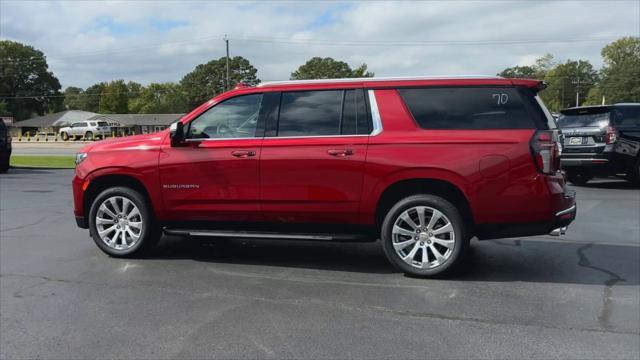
x=149, y=235
x=88, y=135
x=64, y=136
x=4, y=165
x=579, y=178
x=633, y=175
x=461, y=243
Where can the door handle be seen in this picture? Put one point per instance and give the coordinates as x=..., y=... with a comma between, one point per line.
x=243, y=153
x=340, y=152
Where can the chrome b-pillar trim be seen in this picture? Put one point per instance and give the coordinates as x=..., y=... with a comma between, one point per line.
x=375, y=114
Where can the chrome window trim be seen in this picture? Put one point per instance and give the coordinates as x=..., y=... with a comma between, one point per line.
x=222, y=139
x=375, y=114
x=314, y=136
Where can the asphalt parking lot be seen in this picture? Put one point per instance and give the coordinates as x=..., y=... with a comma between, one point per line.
x=572, y=297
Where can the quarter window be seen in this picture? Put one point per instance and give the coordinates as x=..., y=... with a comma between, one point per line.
x=467, y=108
x=234, y=118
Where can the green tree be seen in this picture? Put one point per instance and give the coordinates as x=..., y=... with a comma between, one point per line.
x=525, y=72
x=90, y=99
x=3, y=107
x=621, y=71
x=160, y=99
x=208, y=80
x=538, y=70
x=73, y=98
x=565, y=80
x=26, y=84
x=328, y=68
x=114, y=98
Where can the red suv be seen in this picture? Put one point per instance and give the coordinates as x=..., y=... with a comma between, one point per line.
x=424, y=164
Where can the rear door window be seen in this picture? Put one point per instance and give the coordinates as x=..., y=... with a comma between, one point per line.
x=323, y=113
x=310, y=113
x=473, y=108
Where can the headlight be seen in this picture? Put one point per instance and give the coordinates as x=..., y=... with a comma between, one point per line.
x=80, y=157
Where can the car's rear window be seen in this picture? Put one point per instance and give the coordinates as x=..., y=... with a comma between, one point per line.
x=584, y=117
x=627, y=116
x=467, y=108
x=102, y=123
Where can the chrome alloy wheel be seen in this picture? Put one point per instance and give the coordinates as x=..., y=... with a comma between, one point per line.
x=119, y=223
x=423, y=237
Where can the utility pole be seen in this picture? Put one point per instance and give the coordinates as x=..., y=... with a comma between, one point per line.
x=228, y=85
x=577, y=82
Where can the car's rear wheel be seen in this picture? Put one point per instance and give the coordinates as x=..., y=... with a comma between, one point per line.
x=634, y=173
x=122, y=224
x=64, y=136
x=424, y=235
x=579, y=177
x=88, y=135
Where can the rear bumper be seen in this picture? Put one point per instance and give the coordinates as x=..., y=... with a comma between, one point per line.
x=604, y=159
x=561, y=219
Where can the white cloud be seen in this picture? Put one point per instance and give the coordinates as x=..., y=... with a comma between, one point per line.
x=87, y=42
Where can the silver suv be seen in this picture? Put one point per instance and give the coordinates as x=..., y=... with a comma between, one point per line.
x=88, y=130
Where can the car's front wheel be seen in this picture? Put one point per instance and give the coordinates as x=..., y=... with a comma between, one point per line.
x=122, y=224
x=64, y=136
x=88, y=135
x=424, y=235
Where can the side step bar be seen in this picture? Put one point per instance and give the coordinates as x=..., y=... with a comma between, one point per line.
x=266, y=235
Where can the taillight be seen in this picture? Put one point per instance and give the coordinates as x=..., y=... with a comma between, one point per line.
x=545, y=149
x=610, y=137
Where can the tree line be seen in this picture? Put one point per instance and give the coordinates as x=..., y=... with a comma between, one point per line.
x=578, y=82
x=28, y=87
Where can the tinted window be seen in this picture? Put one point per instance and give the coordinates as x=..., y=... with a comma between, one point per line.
x=233, y=118
x=627, y=116
x=309, y=113
x=467, y=108
x=584, y=120
x=355, y=119
x=102, y=123
x=79, y=124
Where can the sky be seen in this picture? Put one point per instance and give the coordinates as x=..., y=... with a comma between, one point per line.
x=156, y=41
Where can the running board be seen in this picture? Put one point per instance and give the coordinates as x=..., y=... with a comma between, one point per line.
x=266, y=235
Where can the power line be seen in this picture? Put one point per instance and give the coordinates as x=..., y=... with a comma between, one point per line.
x=324, y=42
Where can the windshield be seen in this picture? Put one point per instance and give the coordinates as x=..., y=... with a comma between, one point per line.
x=584, y=120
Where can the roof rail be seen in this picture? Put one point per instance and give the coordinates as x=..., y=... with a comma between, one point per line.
x=368, y=79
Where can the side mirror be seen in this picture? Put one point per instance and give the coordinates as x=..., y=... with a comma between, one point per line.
x=176, y=132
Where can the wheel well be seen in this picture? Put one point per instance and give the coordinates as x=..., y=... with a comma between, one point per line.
x=402, y=189
x=102, y=183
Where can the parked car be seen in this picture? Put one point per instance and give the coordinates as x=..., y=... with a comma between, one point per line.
x=423, y=164
x=85, y=129
x=601, y=141
x=5, y=147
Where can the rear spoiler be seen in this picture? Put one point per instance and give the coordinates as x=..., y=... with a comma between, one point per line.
x=535, y=85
